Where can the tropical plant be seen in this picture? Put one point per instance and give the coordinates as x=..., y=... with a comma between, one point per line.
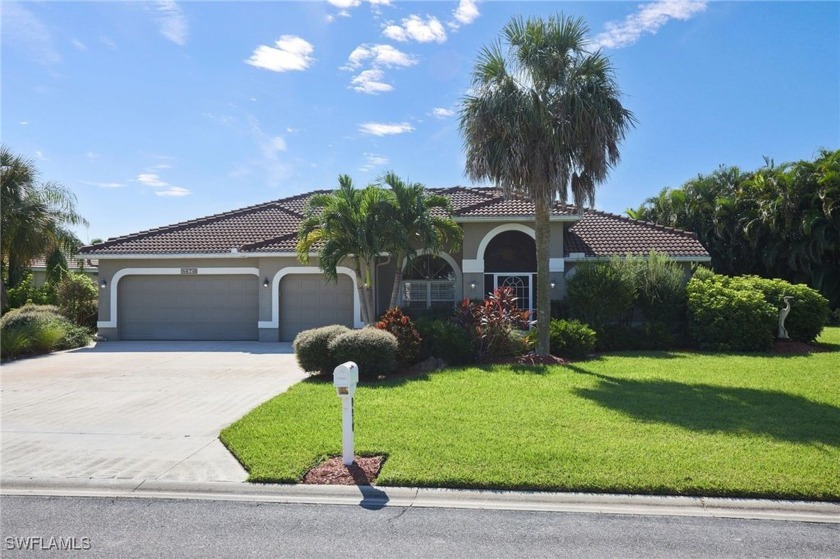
x=544, y=118
x=36, y=329
x=35, y=218
x=492, y=323
x=347, y=224
x=419, y=219
x=602, y=292
x=408, y=339
x=78, y=299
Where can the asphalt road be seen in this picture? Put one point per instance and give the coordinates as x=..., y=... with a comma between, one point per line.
x=134, y=527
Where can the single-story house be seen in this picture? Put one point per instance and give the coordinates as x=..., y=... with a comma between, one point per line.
x=236, y=276
x=38, y=267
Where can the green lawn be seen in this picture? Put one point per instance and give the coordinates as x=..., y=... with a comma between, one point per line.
x=656, y=422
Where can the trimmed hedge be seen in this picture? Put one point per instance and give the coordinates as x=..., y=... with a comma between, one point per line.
x=38, y=329
x=373, y=350
x=601, y=292
x=568, y=338
x=726, y=314
x=312, y=349
x=445, y=340
x=808, y=308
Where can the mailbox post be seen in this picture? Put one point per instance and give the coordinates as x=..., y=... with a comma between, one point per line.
x=345, y=379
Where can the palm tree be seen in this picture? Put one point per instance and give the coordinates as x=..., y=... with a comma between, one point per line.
x=35, y=219
x=544, y=118
x=418, y=219
x=347, y=224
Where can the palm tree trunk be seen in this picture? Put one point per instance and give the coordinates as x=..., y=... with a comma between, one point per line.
x=543, y=237
x=368, y=267
x=360, y=289
x=395, y=290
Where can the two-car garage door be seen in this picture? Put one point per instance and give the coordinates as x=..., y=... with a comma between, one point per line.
x=226, y=307
x=189, y=307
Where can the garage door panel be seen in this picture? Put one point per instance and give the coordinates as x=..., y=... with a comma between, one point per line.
x=189, y=308
x=307, y=301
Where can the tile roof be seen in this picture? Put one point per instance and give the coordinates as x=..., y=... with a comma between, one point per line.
x=604, y=234
x=72, y=263
x=272, y=227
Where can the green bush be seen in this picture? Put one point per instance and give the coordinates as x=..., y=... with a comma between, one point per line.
x=445, y=340
x=312, y=349
x=659, y=286
x=408, y=339
x=26, y=293
x=37, y=329
x=78, y=299
x=373, y=350
x=726, y=314
x=808, y=308
x=833, y=317
x=571, y=339
x=601, y=292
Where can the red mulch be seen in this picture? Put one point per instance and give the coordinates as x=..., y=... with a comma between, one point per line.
x=791, y=346
x=362, y=471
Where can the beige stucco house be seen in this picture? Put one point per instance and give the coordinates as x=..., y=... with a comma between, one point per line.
x=235, y=275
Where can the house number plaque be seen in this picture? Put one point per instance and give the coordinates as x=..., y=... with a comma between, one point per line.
x=189, y=271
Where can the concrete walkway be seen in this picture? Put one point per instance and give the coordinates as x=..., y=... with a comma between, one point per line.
x=135, y=410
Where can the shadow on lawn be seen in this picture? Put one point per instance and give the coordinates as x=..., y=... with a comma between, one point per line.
x=702, y=407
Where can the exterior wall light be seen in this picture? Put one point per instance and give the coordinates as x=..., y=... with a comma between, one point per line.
x=103, y=284
x=265, y=282
x=472, y=284
x=553, y=284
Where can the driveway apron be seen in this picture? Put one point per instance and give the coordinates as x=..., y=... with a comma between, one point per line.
x=136, y=410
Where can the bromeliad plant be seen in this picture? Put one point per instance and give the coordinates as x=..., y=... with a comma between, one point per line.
x=492, y=323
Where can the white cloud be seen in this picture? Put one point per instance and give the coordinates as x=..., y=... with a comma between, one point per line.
x=24, y=123
x=162, y=188
x=385, y=129
x=440, y=112
x=172, y=191
x=171, y=22
x=290, y=53
x=647, y=19
x=415, y=28
x=92, y=155
x=384, y=56
x=104, y=184
x=23, y=29
x=370, y=81
x=79, y=45
x=372, y=160
x=344, y=4
x=108, y=42
x=464, y=14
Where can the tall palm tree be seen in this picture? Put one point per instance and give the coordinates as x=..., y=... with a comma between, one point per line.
x=544, y=119
x=35, y=219
x=418, y=219
x=347, y=224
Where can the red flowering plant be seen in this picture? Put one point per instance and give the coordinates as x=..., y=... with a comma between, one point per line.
x=491, y=323
x=408, y=339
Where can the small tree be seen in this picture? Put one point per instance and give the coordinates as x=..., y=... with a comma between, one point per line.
x=77, y=299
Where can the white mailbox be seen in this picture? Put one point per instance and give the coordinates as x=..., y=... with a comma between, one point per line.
x=345, y=379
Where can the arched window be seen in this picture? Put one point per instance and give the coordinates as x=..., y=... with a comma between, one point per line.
x=428, y=281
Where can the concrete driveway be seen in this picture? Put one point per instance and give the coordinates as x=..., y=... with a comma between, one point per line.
x=136, y=410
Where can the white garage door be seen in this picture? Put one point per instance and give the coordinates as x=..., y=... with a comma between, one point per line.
x=188, y=307
x=307, y=301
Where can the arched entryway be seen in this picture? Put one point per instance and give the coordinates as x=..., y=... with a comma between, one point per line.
x=510, y=260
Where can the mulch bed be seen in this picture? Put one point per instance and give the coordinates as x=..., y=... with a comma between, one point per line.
x=791, y=346
x=362, y=471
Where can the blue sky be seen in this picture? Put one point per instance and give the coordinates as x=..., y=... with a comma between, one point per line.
x=158, y=112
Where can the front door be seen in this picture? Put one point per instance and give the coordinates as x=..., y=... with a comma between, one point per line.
x=522, y=288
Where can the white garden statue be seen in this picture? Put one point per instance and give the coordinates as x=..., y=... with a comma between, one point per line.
x=783, y=334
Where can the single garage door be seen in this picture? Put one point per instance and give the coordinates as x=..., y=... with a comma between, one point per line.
x=307, y=301
x=188, y=307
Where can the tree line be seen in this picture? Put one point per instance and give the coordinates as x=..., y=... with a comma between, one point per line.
x=779, y=221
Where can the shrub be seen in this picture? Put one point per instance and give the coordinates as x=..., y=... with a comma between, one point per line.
x=808, y=308
x=373, y=350
x=659, y=286
x=78, y=298
x=27, y=294
x=724, y=315
x=833, y=317
x=312, y=349
x=37, y=329
x=445, y=340
x=408, y=339
x=569, y=338
x=491, y=324
x=601, y=292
